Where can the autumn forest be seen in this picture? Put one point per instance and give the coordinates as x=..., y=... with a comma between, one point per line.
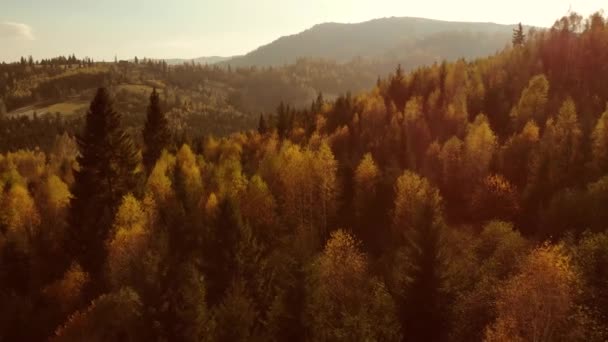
x=463, y=200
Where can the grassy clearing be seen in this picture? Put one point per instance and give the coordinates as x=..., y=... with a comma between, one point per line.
x=63, y=108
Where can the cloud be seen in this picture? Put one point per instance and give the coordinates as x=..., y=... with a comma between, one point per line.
x=17, y=31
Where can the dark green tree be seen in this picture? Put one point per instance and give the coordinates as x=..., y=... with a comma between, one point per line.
x=156, y=132
x=420, y=260
x=397, y=90
x=518, y=35
x=424, y=303
x=235, y=315
x=189, y=317
x=317, y=104
x=221, y=251
x=283, y=120
x=107, y=171
x=262, y=125
x=2, y=109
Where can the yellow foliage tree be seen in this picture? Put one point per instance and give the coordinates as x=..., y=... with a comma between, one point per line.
x=479, y=147
x=517, y=154
x=532, y=103
x=160, y=182
x=367, y=176
x=561, y=146
x=188, y=179
x=536, y=304
x=599, y=147
x=346, y=303
x=67, y=291
x=128, y=246
x=324, y=171
x=111, y=317
x=258, y=207
x=20, y=216
x=495, y=198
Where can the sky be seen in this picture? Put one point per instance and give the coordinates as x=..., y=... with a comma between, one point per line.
x=102, y=29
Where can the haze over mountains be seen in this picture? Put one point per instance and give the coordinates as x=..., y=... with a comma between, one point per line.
x=201, y=60
x=331, y=58
x=380, y=40
x=319, y=200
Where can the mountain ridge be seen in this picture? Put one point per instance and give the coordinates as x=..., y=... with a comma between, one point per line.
x=391, y=27
x=343, y=42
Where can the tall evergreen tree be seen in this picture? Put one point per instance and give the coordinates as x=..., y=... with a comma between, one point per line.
x=518, y=35
x=420, y=275
x=283, y=120
x=156, y=132
x=317, y=104
x=397, y=90
x=262, y=126
x=221, y=251
x=107, y=171
x=2, y=109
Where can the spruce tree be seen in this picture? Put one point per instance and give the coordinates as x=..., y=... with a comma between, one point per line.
x=518, y=35
x=2, y=109
x=282, y=120
x=397, y=90
x=156, y=132
x=317, y=104
x=107, y=171
x=262, y=126
x=421, y=258
x=221, y=251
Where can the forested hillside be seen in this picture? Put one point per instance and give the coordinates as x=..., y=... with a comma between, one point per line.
x=203, y=99
x=386, y=41
x=462, y=201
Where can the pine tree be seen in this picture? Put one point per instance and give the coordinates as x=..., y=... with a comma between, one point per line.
x=262, y=126
x=107, y=171
x=419, y=230
x=156, y=132
x=2, y=109
x=221, y=251
x=317, y=104
x=518, y=35
x=283, y=120
x=397, y=90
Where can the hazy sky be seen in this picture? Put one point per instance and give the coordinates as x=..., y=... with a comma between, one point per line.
x=192, y=28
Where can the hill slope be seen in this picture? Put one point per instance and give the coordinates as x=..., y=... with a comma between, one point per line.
x=386, y=38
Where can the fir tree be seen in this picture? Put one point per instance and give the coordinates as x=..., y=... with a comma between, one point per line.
x=397, y=90
x=283, y=121
x=262, y=126
x=518, y=35
x=317, y=104
x=221, y=262
x=419, y=227
x=2, y=109
x=156, y=132
x=107, y=171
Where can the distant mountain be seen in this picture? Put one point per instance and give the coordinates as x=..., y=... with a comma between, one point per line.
x=201, y=60
x=385, y=39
